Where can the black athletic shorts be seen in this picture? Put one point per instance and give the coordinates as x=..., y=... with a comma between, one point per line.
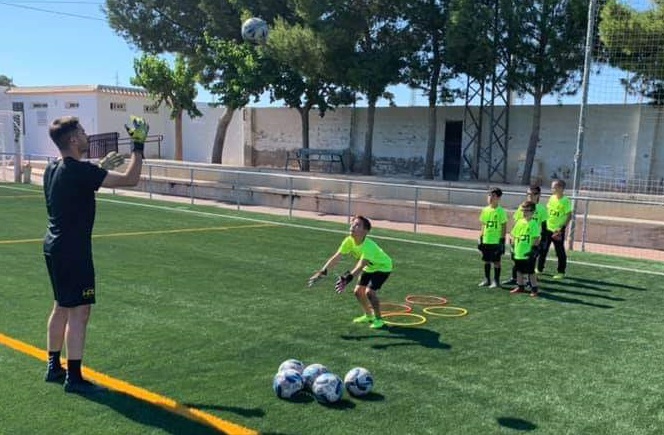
x=491, y=253
x=373, y=280
x=73, y=279
x=527, y=267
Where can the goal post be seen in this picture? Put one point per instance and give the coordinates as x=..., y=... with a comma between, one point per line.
x=12, y=151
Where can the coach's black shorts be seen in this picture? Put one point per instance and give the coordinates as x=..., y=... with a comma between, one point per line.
x=527, y=267
x=373, y=280
x=491, y=252
x=72, y=278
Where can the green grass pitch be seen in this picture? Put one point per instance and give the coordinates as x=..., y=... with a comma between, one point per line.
x=202, y=305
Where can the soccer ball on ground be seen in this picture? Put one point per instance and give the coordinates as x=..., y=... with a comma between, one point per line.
x=255, y=30
x=311, y=372
x=327, y=388
x=294, y=364
x=358, y=381
x=287, y=383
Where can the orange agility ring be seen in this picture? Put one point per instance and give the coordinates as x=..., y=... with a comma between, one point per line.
x=443, y=311
x=418, y=319
x=391, y=307
x=425, y=300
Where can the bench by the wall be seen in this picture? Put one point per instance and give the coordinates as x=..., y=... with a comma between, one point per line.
x=328, y=157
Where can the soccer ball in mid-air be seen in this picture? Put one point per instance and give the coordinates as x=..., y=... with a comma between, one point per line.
x=294, y=364
x=358, y=381
x=311, y=372
x=327, y=388
x=287, y=383
x=255, y=30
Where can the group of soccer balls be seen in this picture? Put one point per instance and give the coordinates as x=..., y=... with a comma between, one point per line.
x=326, y=387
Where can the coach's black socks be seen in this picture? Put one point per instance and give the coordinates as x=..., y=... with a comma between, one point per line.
x=487, y=271
x=74, y=370
x=496, y=272
x=54, y=361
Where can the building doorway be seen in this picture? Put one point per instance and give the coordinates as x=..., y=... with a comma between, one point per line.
x=452, y=150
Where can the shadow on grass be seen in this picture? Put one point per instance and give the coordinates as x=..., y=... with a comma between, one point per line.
x=516, y=423
x=569, y=283
x=558, y=298
x=603, y=283
x=146, y=414
x=578, y=293
x=414, y=336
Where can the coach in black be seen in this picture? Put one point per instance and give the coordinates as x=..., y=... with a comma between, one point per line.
x=69, y=187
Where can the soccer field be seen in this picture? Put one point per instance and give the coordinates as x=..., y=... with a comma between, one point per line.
x=199, y=306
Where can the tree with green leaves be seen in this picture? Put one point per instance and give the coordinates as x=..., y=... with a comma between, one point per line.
x=633, y=42
x=374, y=42
x=548, y=53
x=303, y=80
x=174, y=87
x=195, y=28
x=6, y=81
x=427, y=70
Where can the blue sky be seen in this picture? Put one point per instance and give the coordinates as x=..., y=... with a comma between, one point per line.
x=35, y=33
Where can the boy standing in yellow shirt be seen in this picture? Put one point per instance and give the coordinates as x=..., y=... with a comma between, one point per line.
x=525, y=237
x=491, y=242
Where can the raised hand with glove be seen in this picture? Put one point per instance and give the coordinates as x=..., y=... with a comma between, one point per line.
x=138, y=131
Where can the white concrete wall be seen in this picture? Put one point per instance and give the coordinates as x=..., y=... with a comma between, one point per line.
x=5, y=101
x=198, y=134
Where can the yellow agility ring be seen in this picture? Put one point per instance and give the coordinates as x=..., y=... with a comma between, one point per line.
x=419, y=319
x=446, y=311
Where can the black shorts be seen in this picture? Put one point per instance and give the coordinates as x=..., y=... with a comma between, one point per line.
x=73, y=279
x=526, y=267
x=373, y=280
x=491, y=253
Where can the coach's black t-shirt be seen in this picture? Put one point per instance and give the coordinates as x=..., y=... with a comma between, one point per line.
x=69, y=187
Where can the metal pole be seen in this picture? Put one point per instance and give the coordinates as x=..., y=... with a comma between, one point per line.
x=150, y=181
x=584, y=231
x=578, y=156
x=292, y=197
x=350, y=188
x=237, y=190
x=191, y=185
x=417, y=195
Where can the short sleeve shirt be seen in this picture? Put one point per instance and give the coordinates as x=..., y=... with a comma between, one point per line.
x=69, y=188
x=493, y=220
x=558, y=210
x=524, y=234
x=378, y=260
x=540, y=216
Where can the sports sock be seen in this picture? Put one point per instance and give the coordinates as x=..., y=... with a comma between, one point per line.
x=74, y=370
x=496, y=272
x=54, y=360
x=487, y=271
x=514, y=272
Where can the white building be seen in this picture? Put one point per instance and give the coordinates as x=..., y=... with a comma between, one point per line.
x=621, y=141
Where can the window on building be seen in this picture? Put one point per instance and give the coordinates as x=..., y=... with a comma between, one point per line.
x=71, y=105
x=39, y=105
x=17, y=106
x=119, y=107
x=151, y=108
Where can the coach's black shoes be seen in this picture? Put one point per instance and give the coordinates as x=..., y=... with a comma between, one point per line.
x=82, y=387
x=55, y=375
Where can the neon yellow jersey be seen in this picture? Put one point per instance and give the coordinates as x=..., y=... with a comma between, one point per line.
x=493, y=221
x=378, y=260
x=524, y=234
x=540, y=216
x=558, y=210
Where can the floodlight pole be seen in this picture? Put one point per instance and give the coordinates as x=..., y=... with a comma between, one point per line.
x=578, y=155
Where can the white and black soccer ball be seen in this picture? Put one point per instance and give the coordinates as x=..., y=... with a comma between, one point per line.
x=358, y=381
x=292, y=363
x=287, y=383
x=327, y=388
x=311, y=372
x=255, y=30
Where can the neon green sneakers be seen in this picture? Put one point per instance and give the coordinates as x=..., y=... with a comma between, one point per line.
x=377, y=323
x=364, y=318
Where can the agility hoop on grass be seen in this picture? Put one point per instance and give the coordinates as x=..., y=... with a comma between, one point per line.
x=425, y=300
x=419, y=319
x=445, y=311
x=391, y=307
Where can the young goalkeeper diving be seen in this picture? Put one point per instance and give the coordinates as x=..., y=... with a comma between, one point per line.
x=373, y=267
